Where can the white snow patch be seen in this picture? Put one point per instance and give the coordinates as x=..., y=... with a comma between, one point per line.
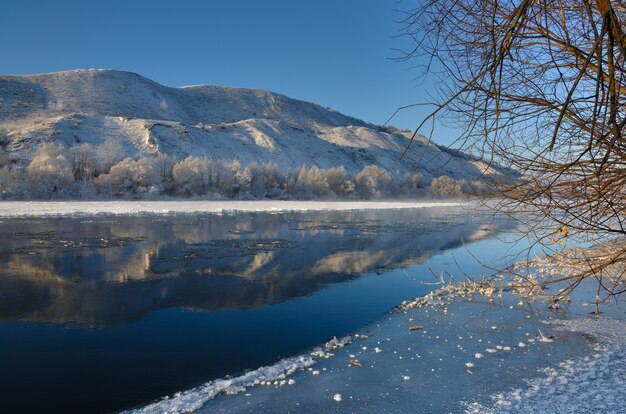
x=582, y=385
x=84, y=208
x=192, y=400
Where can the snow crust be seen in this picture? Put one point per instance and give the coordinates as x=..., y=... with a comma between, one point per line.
x=83, y=208
x=274, y=375
x=192, y=400
x=583, y=385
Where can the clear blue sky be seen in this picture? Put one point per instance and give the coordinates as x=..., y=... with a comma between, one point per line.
x=332, y=52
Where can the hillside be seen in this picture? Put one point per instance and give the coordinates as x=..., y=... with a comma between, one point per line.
x=210, y=121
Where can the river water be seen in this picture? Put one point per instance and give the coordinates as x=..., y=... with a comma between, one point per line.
x=104, y=313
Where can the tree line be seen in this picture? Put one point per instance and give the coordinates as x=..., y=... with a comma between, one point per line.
x=84, y=171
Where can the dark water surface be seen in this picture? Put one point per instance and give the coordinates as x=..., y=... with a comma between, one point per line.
x=107, y=313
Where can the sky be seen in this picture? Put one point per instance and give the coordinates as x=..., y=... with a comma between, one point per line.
x=337, y=53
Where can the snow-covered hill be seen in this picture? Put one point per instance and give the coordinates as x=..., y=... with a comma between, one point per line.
x=91, y=106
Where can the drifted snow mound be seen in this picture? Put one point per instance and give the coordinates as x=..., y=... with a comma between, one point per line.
x=92, y=106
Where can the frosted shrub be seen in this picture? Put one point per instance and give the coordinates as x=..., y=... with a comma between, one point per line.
x=11, y=182
x=375, y=182
x=295, y=189
x=163, y=168
x=445, y=186
x=49, y=174
x=411, y=183
x=298, y=184
x=192, y=176
x=239, y=177
x=130, y=177
x=85, y=189
x=56, y=171
x=257, y=181
x=313, y=180
x=243, y=177
x=273, y=180
x=108, y=154
x=265, y=180
x=339, y=182
x=83, y=162
x=225, y=179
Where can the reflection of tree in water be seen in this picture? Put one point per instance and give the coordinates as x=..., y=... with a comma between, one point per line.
x=109, y=271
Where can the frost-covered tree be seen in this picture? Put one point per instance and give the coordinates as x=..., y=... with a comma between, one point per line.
x=411, y=183
x=273, y=180
x=163, y=167
x=314, y=180
x=11, y=182
x=131, y=177
x=243, y=178
x=445, y=186
x=340, y=182
x=192, y=176
x=265, y=180
x=49, y=174
x=375, y=182
x=83, y=162
x=307, y=183
x=109, y=153
x=225, y=179
x=256, y=185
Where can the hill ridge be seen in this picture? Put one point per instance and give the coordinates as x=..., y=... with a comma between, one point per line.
x=226, y=123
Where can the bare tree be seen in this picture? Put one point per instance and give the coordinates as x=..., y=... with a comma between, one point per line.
x=539, y=85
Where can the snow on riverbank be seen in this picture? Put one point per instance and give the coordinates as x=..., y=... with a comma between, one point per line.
x=66, y=208
x=587, y=384
x=450, y=354
x=274, y=375
x=194, y=399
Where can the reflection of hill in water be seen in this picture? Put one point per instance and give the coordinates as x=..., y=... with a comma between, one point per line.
x=112, y=270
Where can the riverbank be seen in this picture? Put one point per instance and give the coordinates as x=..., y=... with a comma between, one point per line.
x=450, y=353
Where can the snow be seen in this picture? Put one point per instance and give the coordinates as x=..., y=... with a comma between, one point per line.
x=274, y=375
x=83, y=208
x=581, y=385
x=192, y=400
x=414, y=371
x=581, y=368
x=249, y=125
